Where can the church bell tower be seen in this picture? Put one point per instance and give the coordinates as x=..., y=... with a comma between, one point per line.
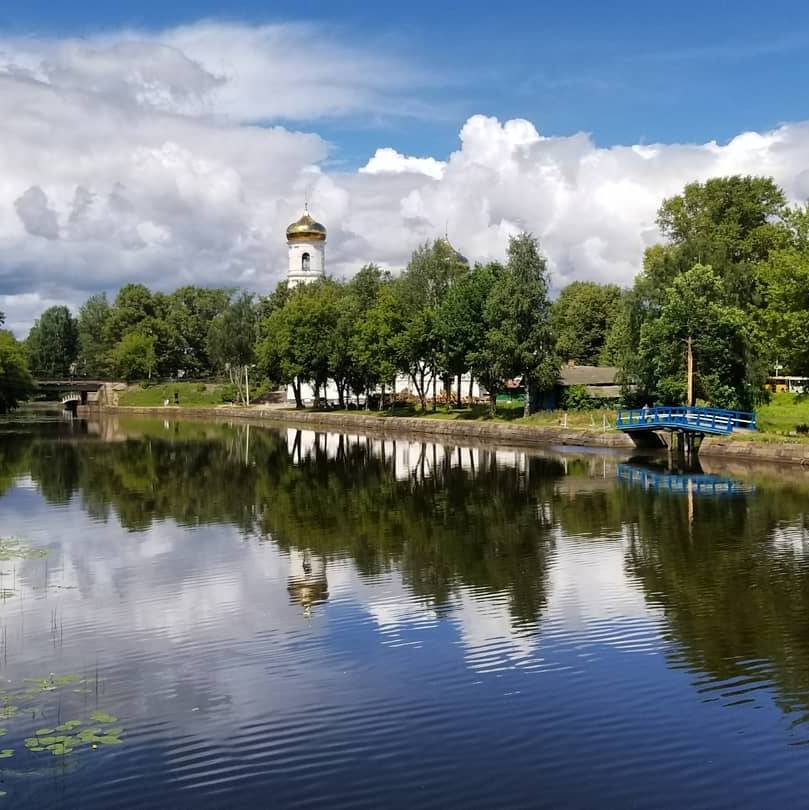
x=306, y=241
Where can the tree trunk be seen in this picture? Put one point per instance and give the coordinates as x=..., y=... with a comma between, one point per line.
x=435, y=392
x=471, y=386
x=247, y=385
x=526, y=411
x=492, y=401
x=382, y=398
x=341, y=395
x=459, y=398
x=296, y=390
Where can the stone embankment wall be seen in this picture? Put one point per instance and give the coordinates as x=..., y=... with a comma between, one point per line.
x=351, y=423
x=781, y=452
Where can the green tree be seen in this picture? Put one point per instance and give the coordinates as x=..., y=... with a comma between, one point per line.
x=581, y=319
x=137, y=309
x=16, y=383
x=189, y=313
x=357, y=299
x=299, y=338
x=52, y=343
x=462, y=325
x=727, y=372
x=93, y=336
x=232, y=343
x=375, y=344
x=429, y=275
x=785, y=317
x=134, y=357
x=519, y=340
x=730, y=223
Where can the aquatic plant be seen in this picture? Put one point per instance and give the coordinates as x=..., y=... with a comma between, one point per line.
x=14, y=548
x=70, y=736
x=76, y=734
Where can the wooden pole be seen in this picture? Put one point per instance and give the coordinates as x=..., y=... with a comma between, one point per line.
x=690, y=395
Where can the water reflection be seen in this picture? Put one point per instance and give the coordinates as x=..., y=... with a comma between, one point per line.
x=225, y=579
x=693, y=482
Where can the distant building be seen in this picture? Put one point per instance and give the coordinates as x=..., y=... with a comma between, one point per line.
x=599, y=382
x=792, y=385
x=306, y=245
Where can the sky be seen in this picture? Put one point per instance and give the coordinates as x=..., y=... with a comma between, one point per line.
x=172, y=143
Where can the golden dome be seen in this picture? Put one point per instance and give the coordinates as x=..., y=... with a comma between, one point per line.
x=456, y=254
x=306, y=230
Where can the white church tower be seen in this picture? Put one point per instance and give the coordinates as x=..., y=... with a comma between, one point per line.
x=306, y=240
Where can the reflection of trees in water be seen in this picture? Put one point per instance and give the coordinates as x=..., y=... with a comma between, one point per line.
x=735, y=599
x=483, y=528
x=442, y=525
x=732, y=595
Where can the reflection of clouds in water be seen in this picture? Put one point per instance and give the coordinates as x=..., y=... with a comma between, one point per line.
x=588, y=582
x=793, y=537
x=487, y=633
x=590, y=600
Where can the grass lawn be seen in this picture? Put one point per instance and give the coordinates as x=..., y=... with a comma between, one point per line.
x=155, y=395
x=783, y=414
x=506, y=412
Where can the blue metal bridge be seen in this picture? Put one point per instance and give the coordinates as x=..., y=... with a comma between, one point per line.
x=707, y=421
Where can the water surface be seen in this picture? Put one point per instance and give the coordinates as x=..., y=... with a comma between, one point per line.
x=292, y=619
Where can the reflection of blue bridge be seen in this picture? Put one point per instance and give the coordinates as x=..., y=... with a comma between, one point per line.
x=695, y=483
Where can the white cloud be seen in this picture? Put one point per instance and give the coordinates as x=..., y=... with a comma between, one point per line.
x=592, y=208
x=389, y=161
x=135, y=157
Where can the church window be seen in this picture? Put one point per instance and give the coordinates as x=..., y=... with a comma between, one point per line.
x=305, y=262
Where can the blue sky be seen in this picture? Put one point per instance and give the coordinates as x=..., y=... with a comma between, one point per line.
x=172, y=142
x=625, y=72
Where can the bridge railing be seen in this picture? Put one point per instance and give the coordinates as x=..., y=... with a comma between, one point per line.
x=709, y=420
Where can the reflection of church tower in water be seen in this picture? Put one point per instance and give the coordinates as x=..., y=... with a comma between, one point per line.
x=307, y=584
x=306, y=242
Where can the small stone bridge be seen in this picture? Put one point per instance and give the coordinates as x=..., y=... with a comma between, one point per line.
x=72, y=392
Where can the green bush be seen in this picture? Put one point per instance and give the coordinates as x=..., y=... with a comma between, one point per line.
x=201, y=387
x=228, y=393
x=576, y=398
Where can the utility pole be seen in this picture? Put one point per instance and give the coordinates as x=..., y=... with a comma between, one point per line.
x=690, y=395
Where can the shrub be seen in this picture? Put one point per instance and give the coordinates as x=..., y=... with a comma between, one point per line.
x=576, y=398
x=228, y=393
x=201, y=387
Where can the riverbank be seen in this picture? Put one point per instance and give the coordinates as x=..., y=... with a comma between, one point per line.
x=504, y=432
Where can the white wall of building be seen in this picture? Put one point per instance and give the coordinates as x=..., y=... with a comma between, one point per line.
x=298, y=250
x=404, y=385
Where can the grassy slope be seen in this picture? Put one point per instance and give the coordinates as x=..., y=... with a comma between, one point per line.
x=155, y=395
x=505, y=413
x=783, y=414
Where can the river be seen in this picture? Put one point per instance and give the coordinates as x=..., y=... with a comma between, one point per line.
x=201, y=615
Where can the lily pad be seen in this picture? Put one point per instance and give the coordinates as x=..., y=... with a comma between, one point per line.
x=5, y=753
x=102, y=717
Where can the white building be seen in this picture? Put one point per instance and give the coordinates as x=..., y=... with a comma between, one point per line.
x=306, y=244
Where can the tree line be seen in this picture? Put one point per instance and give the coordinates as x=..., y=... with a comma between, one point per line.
x=732, y=277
